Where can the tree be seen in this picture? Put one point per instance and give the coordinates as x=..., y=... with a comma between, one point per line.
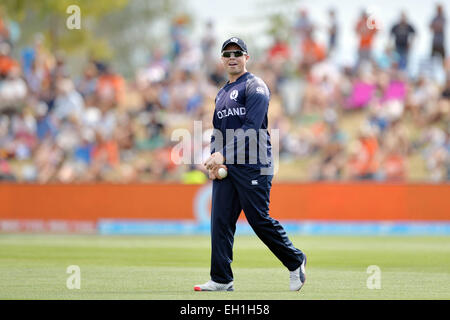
x=137, y=29
x=49, y=18
x=116, y=30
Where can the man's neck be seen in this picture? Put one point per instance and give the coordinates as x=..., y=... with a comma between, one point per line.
x=233, y=77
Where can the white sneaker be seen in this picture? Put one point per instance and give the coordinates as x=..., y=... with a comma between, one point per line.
x=298, y=277
x=214, y=286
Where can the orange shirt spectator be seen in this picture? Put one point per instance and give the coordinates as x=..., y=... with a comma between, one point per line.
x=4, y=32
x=110, y=87
x=164, y=158
x=366, y=34
x=6, y=65
x=370, y=149
x=312, y=51
x=280, y=50
x=319, y=131
x=394, y=167
x=363, y=163
x=106, y=152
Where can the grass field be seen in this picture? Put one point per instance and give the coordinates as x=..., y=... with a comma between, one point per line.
x=118, y=267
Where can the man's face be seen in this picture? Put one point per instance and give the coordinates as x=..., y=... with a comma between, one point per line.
x=403, y=18
x=234, y=65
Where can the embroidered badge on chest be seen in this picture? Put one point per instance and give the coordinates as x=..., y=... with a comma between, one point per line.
x=234, y=94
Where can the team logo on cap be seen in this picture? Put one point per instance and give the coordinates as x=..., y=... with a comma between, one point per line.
x=234, y=40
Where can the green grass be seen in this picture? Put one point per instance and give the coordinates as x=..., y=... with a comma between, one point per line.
x=118, y=267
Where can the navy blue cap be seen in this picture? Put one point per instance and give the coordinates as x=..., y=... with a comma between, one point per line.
x=236, y=41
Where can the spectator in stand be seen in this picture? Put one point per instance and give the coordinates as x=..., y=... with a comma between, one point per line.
x=45, y=122
x=279, y=50
x=435, y=145
x=366, y=29
x=403, y=33
x=303, y=25
x=438, y=28
x=446, y=91
x=104, y=156
x=442, y=111
x=6, y=173
x=156, y=71
x=332, y=31
x=394, y=150
x=312, y=53
x=38, y=63
x=393, y=163
x=278, y=58
x=332, y=145
x=190, y=58
x=208, y=43
x=428, y=103
x=88, y=83
x=59, y=69
x=13, y=89
x=361, y=90
x=110, y=86
x=6, y=61
x=4, y=32
x=217, y=76
x=151, y=98
x=68, y=103
x=47, y=159
x=363, y=162
x=184, y=92
x=178, y=33
x=417, y=97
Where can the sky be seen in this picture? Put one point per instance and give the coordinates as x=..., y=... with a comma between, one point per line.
x=245, y=18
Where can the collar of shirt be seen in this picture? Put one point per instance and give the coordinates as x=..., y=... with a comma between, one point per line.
x=238, y=79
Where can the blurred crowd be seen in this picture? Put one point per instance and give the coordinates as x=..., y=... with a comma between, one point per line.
x=368, y=121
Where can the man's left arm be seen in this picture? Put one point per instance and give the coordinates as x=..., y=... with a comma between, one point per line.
x=256, y=104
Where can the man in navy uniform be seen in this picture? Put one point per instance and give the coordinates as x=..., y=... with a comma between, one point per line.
x=241, y=144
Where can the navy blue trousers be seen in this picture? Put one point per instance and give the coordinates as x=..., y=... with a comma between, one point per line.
x=245, y=189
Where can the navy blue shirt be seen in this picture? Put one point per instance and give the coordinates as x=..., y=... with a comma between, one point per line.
x=240, y=122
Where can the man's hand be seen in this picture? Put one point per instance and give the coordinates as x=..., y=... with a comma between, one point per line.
x=214, y=172
x=214, y=160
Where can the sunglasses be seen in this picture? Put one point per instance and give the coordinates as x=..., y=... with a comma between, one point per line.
x=237, y=53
